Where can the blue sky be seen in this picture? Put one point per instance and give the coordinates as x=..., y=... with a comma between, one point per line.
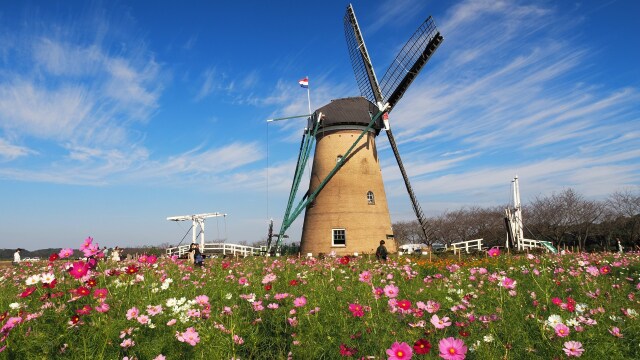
x=115, y=115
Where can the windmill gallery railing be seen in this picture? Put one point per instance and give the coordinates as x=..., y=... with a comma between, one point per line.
x=216, y=249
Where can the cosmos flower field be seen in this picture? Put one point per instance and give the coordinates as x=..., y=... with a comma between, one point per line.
x=529, y=306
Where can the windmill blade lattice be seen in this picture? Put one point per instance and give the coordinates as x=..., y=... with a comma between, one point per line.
x=409, y=61
x=360, y=61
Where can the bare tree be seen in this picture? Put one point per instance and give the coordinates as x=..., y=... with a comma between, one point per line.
x=408, y=232
x=625, y=211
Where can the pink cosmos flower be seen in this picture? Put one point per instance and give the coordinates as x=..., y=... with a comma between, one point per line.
x=593, y=270
x=65, y=253
x=87, y=242
x=143, y=319
x=189, y=336
x=152, y=259
x=452, y=349
x=300, y=301
x=202, y=300
x=391, y=291
x=508, y=283
x=238, y=340
x=127, y=343
x=377, y=292
x=365, y=277
x=91, y=250
x=10, y=324
x=271, y=277
x=133, y=313
x=440, y=323
x=154, y=310
x=573, y=348
x=562, y=330
x=432, y=306
x=400, y=351
x=103, y=307
x=160, y=357
x=171, y=322
x=615, y=332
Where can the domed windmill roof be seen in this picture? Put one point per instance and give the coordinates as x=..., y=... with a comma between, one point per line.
x=349, y=111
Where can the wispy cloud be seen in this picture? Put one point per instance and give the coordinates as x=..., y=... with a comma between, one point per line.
x=509, y=92
x=10, y=151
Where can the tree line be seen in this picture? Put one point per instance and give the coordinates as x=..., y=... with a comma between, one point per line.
x=566, y=219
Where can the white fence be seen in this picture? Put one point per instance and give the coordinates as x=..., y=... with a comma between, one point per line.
x=475, y=244
x=216, y=248
x=533, y=244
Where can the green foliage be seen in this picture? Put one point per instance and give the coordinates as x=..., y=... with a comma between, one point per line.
x=246, y=315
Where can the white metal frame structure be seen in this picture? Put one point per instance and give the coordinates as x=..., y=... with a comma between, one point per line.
x=198, y=220
x=516, y=226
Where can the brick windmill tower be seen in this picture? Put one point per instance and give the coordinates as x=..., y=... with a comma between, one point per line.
x=346, y=205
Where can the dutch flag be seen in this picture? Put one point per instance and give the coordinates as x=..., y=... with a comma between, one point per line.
x=304, y=83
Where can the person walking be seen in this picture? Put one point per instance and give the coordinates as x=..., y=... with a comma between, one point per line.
x=381, y=252
x=16, y=257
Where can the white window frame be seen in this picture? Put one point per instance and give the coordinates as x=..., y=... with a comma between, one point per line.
x=333, y=237
x=371, y=198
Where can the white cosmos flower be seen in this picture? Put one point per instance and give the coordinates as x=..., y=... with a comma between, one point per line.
x=47, y=278
x=553, y=320
x=32, y=280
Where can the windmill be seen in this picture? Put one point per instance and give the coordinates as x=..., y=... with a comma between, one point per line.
x=346, y=206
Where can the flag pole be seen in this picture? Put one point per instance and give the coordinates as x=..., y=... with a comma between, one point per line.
x=308, y=96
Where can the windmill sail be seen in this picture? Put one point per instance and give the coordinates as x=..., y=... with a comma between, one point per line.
x=360, y=61
x=409, y=61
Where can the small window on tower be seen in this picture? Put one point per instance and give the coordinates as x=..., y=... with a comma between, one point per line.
x=339, y=237
x=371, y=198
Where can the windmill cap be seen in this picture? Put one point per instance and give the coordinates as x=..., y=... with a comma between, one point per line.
x=349, y=111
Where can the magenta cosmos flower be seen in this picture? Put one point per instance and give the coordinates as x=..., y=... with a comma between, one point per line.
x=400, y=351
x=356, y=310
x=79, y=269
x=573, y=348
x=452, y=349
x=494, y=251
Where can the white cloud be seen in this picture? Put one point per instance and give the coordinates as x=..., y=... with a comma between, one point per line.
x=10, y=151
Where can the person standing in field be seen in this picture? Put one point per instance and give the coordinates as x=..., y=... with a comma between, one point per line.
x=115, y=255
x=195, y=256
x=381, y=252
x=16, y=257
x=620, y=248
